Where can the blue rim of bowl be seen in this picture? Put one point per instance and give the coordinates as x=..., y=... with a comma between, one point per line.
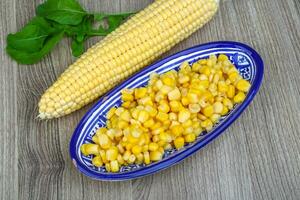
x=163, y=164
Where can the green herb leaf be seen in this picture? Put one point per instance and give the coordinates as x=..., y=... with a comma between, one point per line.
x=56, y=18
x=68, y=12
x=26, y=57
x=31, y=37
x=77, y=48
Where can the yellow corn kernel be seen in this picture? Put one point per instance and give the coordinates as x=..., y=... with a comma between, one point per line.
x=157, y=125
x=145, y=101
x=151, y=110
x=187, y=123
x=114, y=166
x=168, y=146
x=153, y=146
x=168, y=81
x=155, y=138
x=202, y=61
x=103, y=156
x=243, y=85
x=231, y=91
x=139, y=158
x=194, y=116
x=175, y=106
x=228, y=103
x=196, y=67
x=120, y=159
x=239, y=97
x=201, y=116
x=218, y=107
x=164, y=107
x=120, y=148
x=104, y=141
x=179, y=142
x=107, y=167
x=111, y=112
x=190, y=137
x=119, y=111
x=131, y=141
x=216, y=78
x=185, y=101
x=172, y=116
x=177, y=130
x=126, y=104
x=203, y=84
x=140, y=92
x=157, y=85
x=206, y=123
x=188, y=130
x=215, y=118
x=165, y=89
x=183, y=79
x=101, y=130
x=166, y=123
x=161, y=149
x=122, y=124
x=133, y=104
x=143, y=116
x=192, y=98
x=149, y=123
x=135, y=113
x=111, y=134
x=88, y=149
x=127, y=97
x=222, y=58
x=126, y=155
x=222, y=87
x=183, y=115
x=234, y=76
x=208, y=111
x=95, y=139
x=131, y=159
x=194, y=108
x=142, y=140
x=225, y=110
x=165, y=137
x=205, y=70
x=174, y=94
x=147, y=158
x=112, y=153
x=198, y=131
x=97, y=161
x=155, y=155
x=147, y=137
x=136, y=149
x=185, y=67
x=213, y=59
x=161, y=116
x=145, y=148
x=125, y=115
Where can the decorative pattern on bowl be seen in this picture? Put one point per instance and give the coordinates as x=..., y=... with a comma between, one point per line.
x=245, y=59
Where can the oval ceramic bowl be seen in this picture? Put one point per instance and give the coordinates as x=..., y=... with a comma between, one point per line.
x=246, y=60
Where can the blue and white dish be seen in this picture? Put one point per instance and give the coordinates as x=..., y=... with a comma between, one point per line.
x=246, y=60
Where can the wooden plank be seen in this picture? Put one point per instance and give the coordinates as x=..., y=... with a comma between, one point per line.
x=8, y=108
x=257, y=157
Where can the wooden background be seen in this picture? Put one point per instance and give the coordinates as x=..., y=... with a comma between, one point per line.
x=258, y=157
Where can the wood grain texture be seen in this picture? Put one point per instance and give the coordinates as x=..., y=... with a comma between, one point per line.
x=258, y=157
x=8, y=109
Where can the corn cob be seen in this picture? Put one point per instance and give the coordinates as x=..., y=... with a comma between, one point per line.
x=133, y=45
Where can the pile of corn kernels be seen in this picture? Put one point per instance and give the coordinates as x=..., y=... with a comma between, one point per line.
x=170, y=112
